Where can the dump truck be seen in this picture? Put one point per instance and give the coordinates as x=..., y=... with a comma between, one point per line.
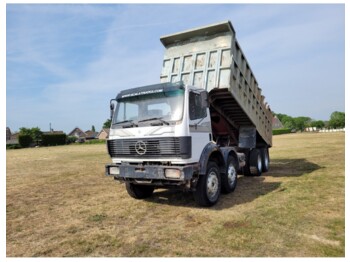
x=196, y=130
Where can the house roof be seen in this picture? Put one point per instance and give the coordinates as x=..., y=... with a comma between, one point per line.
x=77, y=130
x=276, y=123
x=106, y=130
x=91, y=134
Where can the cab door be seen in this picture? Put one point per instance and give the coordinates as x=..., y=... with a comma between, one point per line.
x=199, y=123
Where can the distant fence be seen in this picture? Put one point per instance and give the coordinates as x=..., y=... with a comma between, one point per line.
x=324, y=130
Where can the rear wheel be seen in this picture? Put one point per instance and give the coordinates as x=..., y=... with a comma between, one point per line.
x=209, y=186
x=254, y=166
x=265, y=159
x=229, y=179
x=139, y=191
x=255, y=162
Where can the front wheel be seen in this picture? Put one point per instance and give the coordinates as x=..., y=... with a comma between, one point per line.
x=139, y=191
x=209, y=186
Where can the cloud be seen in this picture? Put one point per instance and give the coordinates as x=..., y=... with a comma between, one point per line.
x=64, y=62
x=299, y=60
x=84, y=91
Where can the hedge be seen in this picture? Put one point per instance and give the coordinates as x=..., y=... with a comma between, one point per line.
x=13, y=146
x=281, y=131
x=71, y=139
x=25, y=140
x=95, y=141
x=53, y=139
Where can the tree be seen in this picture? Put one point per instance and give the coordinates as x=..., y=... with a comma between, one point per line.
x=297, y=123
x=287, y=121
x=25, y=131
x=318, y=124
x=93, y=128
x=301, y=122
x=107, y=124
x=282, y=117
x=34, y=132
x=337, y=120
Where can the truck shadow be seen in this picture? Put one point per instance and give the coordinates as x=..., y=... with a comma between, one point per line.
x=248, y=188
x=291, y=167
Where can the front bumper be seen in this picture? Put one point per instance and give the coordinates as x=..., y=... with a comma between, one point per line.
x=129, y=172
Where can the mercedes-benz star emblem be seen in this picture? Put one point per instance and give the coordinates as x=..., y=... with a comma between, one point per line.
x=140, y=147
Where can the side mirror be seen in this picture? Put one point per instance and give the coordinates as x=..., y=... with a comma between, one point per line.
x=111, y=106
x=204, y=99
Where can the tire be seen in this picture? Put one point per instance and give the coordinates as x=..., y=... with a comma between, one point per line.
x=245, y=170
x=208, y=187
x=229, y=179
x=139, y=191
x=255, y=162
x=265, y=159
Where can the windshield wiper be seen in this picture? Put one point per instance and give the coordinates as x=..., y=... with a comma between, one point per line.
x=126, y=121
x=155, y=118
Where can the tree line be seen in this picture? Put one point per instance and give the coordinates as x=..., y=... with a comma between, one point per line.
x=34, y=136
x=336, y=120
x=29, y=136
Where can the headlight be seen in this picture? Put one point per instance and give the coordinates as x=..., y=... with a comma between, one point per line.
x=172, y=173
x=113, y=170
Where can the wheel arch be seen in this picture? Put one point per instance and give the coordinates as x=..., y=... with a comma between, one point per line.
x=229, y=151
x=212, y=152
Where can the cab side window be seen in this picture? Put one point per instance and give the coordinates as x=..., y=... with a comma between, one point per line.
x=196, y=109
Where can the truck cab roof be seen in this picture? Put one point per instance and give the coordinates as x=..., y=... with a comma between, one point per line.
x=150, y=89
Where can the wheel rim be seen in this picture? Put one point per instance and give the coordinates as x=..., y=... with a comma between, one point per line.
x=212, y=185
x=231, y=174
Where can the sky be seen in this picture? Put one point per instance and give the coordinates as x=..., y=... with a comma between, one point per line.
x=65, y=62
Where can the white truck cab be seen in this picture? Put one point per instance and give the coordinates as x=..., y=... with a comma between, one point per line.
x=166, y=116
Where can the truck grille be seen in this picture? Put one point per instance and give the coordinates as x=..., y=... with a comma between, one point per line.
x=163, y=147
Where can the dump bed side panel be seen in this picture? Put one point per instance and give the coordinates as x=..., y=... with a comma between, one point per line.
x=204, y=62
x=210, y=57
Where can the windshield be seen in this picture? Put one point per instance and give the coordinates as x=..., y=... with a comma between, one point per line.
x=162, y=107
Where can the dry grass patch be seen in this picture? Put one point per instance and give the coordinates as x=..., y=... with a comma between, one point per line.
x=59, y=203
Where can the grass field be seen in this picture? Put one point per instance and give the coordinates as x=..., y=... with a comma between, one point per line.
x=59, y=203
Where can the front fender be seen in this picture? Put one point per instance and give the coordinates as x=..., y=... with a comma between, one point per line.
x=211, y=150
